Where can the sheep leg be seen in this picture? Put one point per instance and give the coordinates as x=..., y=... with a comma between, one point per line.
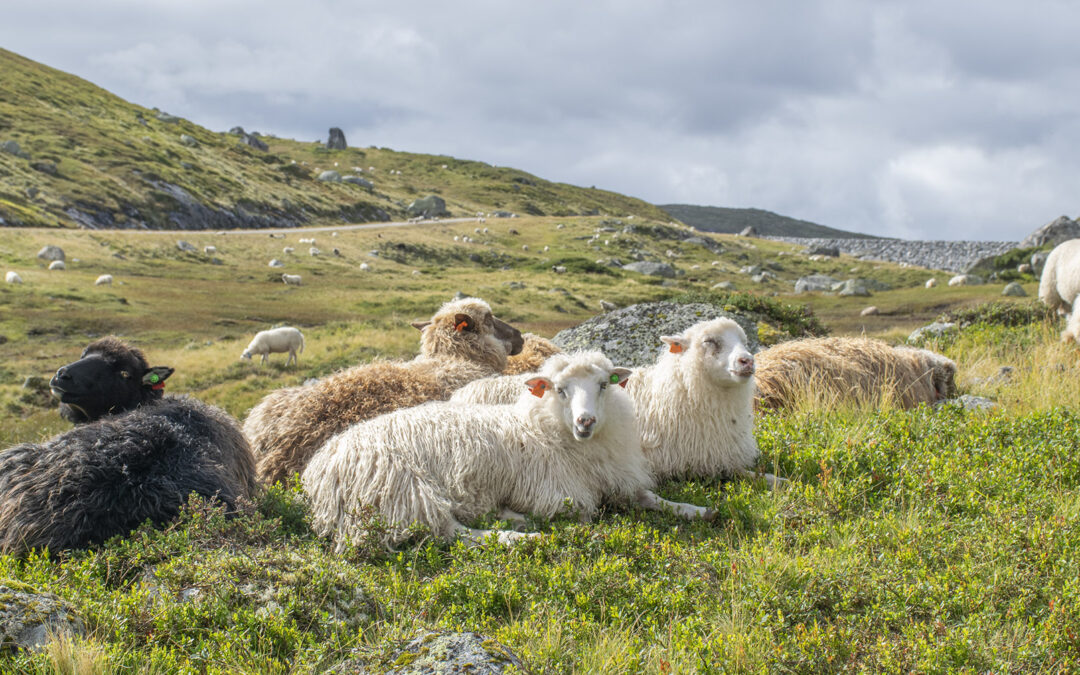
x=773, y=482
x=647, y=499
x=479, y=537
x=512, y=516
x=264, y=358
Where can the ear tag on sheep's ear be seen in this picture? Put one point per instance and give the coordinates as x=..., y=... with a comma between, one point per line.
x=675, y=348
x=156, y=376
x=461, y=322
x=620, y=377
x=538, y=388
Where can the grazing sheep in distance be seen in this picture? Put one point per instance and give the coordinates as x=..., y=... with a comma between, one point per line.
x=463, y=341
x=930, y=283
x=837, y=370
x=570, y=436
x=307, y=240
x=57, y=265
x=314, y=251
x=694, y=406
x=13, y=278
x=291, y=279
x=135, y=456
x=104, y=280
x=558, y=269
x=288, y=250
x=209, y=250
x=364, y=267
x=276, y=341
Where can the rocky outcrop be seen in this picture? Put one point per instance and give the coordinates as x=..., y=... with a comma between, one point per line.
x=431, y=206
x=336, y=140
x=442, y=654
x=29, y=619
x=652, y=269
x=51, y=253
x=1053, y=233
x=952, y=256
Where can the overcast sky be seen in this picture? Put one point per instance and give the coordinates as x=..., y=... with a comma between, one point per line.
x=923, y=120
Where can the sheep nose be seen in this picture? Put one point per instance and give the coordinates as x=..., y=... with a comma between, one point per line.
x=746, y=361
x=586, y=421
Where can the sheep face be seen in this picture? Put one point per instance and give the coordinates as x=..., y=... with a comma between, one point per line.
x=109, y=378
x=472, y=321
x=716, y=348
x=577, y=393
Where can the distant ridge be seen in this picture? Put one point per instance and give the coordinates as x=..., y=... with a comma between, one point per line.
x=732, y=221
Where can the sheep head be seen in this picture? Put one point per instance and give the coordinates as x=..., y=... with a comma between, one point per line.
x=110, y=377
x=467, y=329
x=577, y=388
x=716, y=348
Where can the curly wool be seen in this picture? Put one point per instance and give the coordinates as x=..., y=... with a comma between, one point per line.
x=837, y=370
x=535, y=351
x=443, y=463
x=288, y=425
x=107, y=477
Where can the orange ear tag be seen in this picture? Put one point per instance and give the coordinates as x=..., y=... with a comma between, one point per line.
x=676, y=348
x=538, y=389
x=461, y=326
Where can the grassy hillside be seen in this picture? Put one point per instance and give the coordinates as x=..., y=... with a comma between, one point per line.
x=732, y=221
x=94, y=159
x=917, y=541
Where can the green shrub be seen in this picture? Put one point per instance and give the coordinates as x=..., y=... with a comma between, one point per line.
x=795, y=320
x=999, y=313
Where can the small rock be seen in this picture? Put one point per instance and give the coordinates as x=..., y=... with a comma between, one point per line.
x=51, y=253
x=276, y=263
x=189, y=141
x=165, y=117
x=872, y=310
x=852, y=287
x=13, y=148
x=936, y=329
x=446, y=653
x=57, y=265
x=330, y=176
x=724, y=286
x=815, y=282
x=29, y=619
x=186, y=247
x=45, y=167
x=1014, y=289
x=969, y=402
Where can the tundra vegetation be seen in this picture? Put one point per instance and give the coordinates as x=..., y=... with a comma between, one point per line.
x=922, y=540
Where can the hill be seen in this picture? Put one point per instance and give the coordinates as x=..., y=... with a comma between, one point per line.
x=732, y=221
x=73, y=154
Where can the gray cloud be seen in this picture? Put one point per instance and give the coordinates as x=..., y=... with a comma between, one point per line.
x=913, y=119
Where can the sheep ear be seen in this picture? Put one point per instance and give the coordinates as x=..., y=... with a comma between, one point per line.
x=156, y=376
x=538, y=386
x=675, y=343
x=420, y=325
x=463, y=322
x=619, y=376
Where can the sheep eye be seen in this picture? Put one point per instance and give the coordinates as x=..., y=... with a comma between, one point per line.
x=603, y=386
x=560, y=391
x=125, y=374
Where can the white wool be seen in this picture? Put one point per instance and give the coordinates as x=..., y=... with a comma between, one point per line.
x=695, y=418
x=442, y=463
x=292, y=279
x=104, y=280
x=13, y=278
x=1060, y=282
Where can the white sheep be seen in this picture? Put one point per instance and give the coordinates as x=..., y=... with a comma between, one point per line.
x=292, y=279
x=276, y=341
x=930, y=283
x=104, y=280
x=288, y=250
x=314, y=251
x=209, y=250
x=307, y=240
x=558, y=269
x=1060, y=281
x=694, y=406
x=57, y=265
x=13, y=278
x=364, y=267
x=569, y=436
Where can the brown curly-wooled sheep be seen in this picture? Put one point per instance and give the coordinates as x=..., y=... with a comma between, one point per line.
x=534, y=352
x=463, y=341
x=837, y=370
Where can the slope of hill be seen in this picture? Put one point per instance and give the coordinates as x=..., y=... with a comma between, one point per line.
x=732, y=221
x=72, y=154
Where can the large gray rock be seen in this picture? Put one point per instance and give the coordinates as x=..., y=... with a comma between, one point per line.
x=336, y=140
x=1014, y=289
x=51, y=252
x=189, y=140
x=165, y=117
x=1053, y=233
x=357, y=180
x=821, y=249
x=630, y=336
x=748, y=231
x=652, y=269
x=29, y=619
x=186, y=247
x=815, y=282
x=431, y=206
x=441, y=654
x=13, y=148
x=852, y=287
x=969, y=403
x=253, y=141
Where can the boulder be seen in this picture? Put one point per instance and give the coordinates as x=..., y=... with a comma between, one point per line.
x=815, y=282
x=969, y=403
x=821, y=249
x=431, y=206
x=872, y=310
x=652, y=269
x=45, y=167
x=253, y=141
x=186, y=247
x=852, y=287
x=13, y=148
x=189, y=141
x=165, y=117
x=748, y=231
x=276, y=263
x=631, y=336
x=336, y=140
x=29, y=619
x=357, y=180
x=1014, y=289
x=1053, y=233
x=330, y=176
x=933, y=330
x=51, y=252
x=238, y=131
x=441, y=653
x=57, y=265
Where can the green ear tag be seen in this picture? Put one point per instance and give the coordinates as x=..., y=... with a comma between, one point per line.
x=614, y=378
x=154, y=379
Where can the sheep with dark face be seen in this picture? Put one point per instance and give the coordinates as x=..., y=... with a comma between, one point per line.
x=135, y=457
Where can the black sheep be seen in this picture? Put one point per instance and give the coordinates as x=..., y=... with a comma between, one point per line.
x=109, y=475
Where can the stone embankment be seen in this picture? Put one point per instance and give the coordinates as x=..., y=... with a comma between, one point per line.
x=951, y=256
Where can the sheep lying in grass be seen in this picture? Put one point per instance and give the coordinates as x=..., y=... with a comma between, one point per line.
x=136, y=457
x=694, y=406
x=276, y=341
x=849, y=369
x=1060, y=285
x=570, y=435
x=462, y=342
